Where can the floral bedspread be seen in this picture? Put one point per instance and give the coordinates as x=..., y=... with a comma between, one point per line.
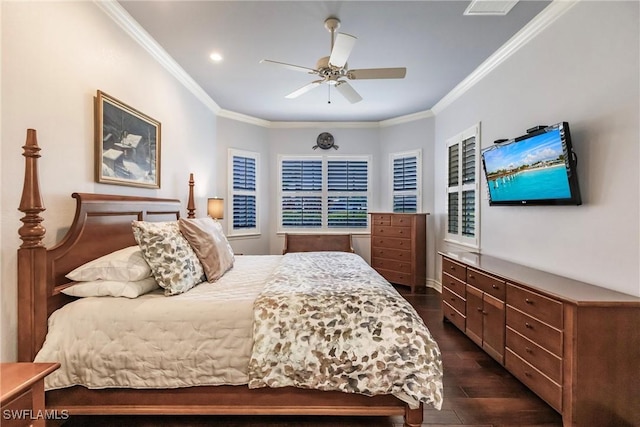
x=328, y=321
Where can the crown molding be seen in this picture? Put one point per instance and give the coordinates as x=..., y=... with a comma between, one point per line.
x=333, y=125
x=130, y=26
x=232, y=115
x=538, y=24
x=541, y=21
x=407, y=118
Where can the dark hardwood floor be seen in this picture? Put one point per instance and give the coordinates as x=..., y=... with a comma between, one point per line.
x=478, y=392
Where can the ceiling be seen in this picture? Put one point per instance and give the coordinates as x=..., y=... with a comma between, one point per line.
x=437, y=44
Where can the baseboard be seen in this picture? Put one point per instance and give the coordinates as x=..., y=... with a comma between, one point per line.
x=433, y=283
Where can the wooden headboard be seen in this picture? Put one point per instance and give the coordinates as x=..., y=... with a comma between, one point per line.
x=102, y=224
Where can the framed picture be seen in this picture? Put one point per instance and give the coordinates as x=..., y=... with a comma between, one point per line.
x=127, y=144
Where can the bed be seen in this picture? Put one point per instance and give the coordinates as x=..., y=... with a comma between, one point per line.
x=102, y=225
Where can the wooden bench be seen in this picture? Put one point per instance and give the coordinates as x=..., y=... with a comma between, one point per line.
x=317, y=242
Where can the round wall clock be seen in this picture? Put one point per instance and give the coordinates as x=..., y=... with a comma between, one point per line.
x=325, y=141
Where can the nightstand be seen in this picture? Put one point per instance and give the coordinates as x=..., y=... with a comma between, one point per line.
x=22, y=393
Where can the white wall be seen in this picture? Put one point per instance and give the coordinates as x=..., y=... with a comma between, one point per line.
x=418, y=134
x=249, y=137
x=583, y=69
x=54, y=58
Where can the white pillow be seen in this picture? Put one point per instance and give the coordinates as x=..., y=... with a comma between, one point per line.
x=112, y=288
x=124, y=265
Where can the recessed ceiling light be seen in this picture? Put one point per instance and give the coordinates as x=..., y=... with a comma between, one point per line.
x=215, y=57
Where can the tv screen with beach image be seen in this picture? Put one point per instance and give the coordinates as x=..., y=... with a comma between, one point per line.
x=530, y=169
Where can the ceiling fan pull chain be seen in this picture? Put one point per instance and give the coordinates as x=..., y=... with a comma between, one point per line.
x=329, y=94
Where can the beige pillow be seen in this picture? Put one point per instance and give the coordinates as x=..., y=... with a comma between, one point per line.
x=210, y=245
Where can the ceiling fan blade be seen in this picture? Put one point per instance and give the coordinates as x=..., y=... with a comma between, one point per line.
x=377, y=73
x=290, y=66
x=348, y=92
x=304, y=89
x=341, y=49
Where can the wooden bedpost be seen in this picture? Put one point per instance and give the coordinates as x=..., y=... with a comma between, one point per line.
x=191, y=205
x=413, y=417
x=32, y=283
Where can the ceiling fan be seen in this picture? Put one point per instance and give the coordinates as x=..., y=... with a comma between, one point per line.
x=333, y=70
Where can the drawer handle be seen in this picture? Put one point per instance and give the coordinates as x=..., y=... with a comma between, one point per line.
x=452, y=299
x=471, y=276
x=452, y=314
x=451, y=267
x=528, y=301
x=528, y=325
x=479, y=309
x=528, y=374
x=494, y=286
x=528, y=350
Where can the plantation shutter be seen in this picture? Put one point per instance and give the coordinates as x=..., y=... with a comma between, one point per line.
x=462, y=188
x=405, y=184
x=345, y=179
x=454, y=179
x=244, y=180
x=302, y=193
x=243, y=185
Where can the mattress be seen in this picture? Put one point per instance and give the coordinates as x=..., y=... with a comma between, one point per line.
x=201, y=337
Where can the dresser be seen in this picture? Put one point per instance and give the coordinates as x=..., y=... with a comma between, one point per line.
x=399, y=248
x=575, y=345
x=22, y=394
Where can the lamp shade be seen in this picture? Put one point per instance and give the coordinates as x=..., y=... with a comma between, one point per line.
x=215, y=208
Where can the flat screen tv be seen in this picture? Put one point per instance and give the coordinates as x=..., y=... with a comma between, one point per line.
x=538, y=168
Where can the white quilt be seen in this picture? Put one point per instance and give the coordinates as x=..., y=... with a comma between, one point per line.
x=201, y=337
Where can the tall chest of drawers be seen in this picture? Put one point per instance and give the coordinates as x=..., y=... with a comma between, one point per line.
x=399, y=248
x=575, y=345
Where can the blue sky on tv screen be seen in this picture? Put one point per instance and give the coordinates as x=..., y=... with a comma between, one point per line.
x=546, y=146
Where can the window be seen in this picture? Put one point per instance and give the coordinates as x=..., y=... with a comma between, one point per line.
x=243, y=185
x=324, y=193
x=463, y=214
x=407, y=181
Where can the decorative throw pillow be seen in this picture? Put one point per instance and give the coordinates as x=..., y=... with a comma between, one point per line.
x=126, y=265
x=112, y=288
x=173, y=263
x=210, y=245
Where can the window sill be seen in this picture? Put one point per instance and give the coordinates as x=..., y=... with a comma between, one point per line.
x=461, y=245
x=244, y=236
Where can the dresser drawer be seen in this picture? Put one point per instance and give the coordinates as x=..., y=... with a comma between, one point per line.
x=545, y=309
x=390, y=231
x=454, y=285
x=546, y=362
x=400, y=220
x=455, y=269
x=392, y=254
x=381, y=219
x=454, y=316
x=486, y=283
x=396, y=277
x=543, y=386
x=454, y=300
x=391, y=264
x=390, y=242
x=540, y=333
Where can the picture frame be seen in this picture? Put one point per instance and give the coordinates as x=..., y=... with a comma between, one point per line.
x=127, y=144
